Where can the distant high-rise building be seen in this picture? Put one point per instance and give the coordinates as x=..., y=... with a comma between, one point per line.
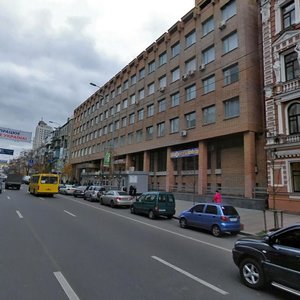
x=42, y=130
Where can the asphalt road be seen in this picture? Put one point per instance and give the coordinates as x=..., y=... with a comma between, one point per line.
x=68, y=248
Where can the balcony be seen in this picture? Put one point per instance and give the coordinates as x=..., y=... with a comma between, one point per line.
x=283, y=139
x=289, y=86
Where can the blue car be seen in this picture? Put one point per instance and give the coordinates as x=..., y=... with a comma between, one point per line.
x=216, y=218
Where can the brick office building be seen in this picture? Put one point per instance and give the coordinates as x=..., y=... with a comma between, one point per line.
x=281, y=51
x=188, y=110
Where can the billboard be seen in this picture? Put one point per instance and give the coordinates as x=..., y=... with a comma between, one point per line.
x=15, y=135
x=6, y=151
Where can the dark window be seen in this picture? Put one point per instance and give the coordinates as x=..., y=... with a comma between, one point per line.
x=292, y=69
x=289, y=239
x=198, y=208
x=288, y=14
x=294, y=118
x=229, y=210
x=211, y=209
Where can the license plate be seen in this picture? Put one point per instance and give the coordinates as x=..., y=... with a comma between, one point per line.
x=233, y=219
x=162, y=210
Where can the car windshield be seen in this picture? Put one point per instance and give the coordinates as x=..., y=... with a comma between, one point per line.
x=122, y=193
x=229, y=210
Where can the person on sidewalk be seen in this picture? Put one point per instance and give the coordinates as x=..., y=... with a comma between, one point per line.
x=217, y=197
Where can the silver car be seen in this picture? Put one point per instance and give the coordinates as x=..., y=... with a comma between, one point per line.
x=116, y=198
x=91, y=192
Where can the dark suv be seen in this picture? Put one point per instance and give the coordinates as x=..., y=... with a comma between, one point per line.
x=273, y=259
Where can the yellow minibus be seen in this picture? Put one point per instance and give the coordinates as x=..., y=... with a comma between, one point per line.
x=43, y=184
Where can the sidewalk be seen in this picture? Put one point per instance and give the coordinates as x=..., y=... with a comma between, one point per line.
x=253, y=220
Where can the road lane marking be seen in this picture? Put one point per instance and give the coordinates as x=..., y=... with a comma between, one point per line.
x=41, y=198
x=19, y=214
x=66, y=287
x=67, y=212
x=153, y=226
x=8, y=197
x=203, y=282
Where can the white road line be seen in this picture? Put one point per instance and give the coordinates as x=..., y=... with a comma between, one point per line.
x=67, y=212
x=153, y=226
x=205, y=283
x=8, y=197
x=41, y=198
x=19, y=214
x=65, y=285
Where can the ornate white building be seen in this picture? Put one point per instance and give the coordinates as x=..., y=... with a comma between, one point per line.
x=281, y=67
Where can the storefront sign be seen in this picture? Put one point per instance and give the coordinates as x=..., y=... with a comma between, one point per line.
x=185, y=153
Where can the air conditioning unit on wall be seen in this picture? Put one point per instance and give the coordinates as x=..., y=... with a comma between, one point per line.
x=202, y=67
x=184, y=77
x=222, y=25
x=183, y=133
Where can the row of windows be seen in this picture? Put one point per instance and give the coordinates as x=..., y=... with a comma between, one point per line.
x=231, y=109
x=208, y=55
x=230, y=75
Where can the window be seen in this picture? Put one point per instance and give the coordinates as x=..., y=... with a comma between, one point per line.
x=175, y=49
x=151, y=88
x=208, y=26
x=174, y=125
x=150, y=110
x=228, y=10
x=190, y=65
x=232, y=108
x=139, y=135
x=295, y=172
x=151, y=67
x=190, y=39
x=130, y=138
x=211, y=209
x=141, y=94
x=162, y=81
x=133, y=79
x=175, y=73
x=190, y=120
x=125, y=85
x=140, y=114
x=209, y=114
x=141, y=73
x=190, y=92
x=162, y=105
x=131, y=118
x=208, y=55
x=292, y=68
x=162, y=59
x=161, y=129
x=288, y=14
x=149, y=133
x=132, y=99
x=175, y=99
x=125, y=103
x=209, y=84
x=119, y=90
x=230, y=42
x=124, y=122
x=231, y=74
x=118, y=108
x=294, y=118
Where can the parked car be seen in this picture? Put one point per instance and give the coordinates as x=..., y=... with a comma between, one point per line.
x=272, y=259
x=79, y=191
x=214, y=217
x=0, y=186
x=116, y=198
x=91, y=192
x=67, y=189
x=154, y=204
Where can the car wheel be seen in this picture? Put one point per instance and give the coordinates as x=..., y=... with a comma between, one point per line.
x=216, y=231
x=132, y=209
x=183, y=223
x=112, y=204
x=251, y=273
x=151, y=214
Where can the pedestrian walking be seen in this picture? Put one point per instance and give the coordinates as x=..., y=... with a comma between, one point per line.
x=217, y=197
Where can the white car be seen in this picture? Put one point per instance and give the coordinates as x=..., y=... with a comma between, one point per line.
x=67, y=189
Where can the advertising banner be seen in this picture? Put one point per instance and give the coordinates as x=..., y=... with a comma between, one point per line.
x=106, y=161
x=6, y=151
x=15, y=135
x=185, y=153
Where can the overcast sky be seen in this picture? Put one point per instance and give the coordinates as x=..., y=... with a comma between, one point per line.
x=51, y=49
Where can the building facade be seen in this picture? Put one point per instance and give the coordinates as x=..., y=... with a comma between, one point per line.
x=42, y=130
x=281, y=52
x=188, y=110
